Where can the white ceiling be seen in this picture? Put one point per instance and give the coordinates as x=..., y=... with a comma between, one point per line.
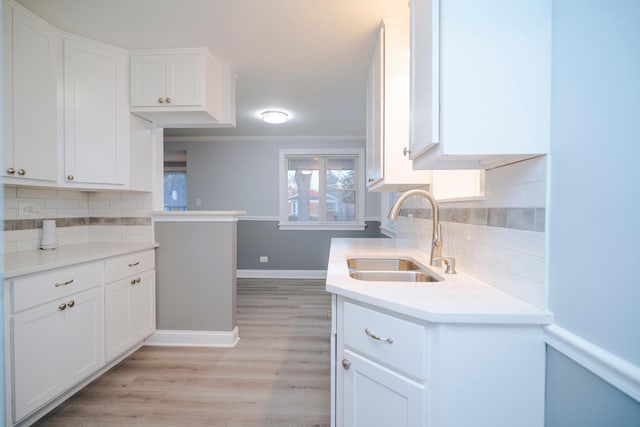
x=307, y=57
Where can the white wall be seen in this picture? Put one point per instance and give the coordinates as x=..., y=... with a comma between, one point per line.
x=594, y=225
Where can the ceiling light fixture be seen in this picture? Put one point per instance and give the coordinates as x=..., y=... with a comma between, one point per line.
x=274, y=117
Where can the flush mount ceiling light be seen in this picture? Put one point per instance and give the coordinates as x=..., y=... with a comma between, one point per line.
x=274, y=117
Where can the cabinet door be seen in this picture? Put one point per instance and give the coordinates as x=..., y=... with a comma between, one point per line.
x=375, y=112
x=143, y=307
x=96, y=114
x=38, y=356
x=425, y=76
x=377, y=397
x=148, y=80
x=118, y=324
x=84, y=334
x=30, y=148
x=185, y=80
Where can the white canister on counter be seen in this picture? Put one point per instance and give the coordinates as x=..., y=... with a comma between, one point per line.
x=49, y=239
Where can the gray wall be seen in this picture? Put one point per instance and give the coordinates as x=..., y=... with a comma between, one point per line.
x=196, y=288
x=593, y=222
x=289, y=249
x=576, y=397
x=243, y=175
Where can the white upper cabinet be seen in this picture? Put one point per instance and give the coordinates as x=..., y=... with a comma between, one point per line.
x=480, y=82
x=30, y=56
x=96, y=141
x=182, y=88
x=388, y=165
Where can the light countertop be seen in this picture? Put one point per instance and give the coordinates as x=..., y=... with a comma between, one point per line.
x=197, y=216
x=34, y=261
x=460, y=298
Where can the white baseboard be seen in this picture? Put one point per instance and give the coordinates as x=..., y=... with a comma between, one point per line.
x=282, y=274
x=616, y=371
x=194, y=338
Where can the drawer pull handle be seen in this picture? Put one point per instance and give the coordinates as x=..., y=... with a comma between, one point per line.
x=62, y=306
x=71, y=303
x=134, y=264
x=377, y=338
x=68, y=282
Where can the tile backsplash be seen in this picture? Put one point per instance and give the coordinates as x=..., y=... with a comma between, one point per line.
x=499, y=240
x=80, y=216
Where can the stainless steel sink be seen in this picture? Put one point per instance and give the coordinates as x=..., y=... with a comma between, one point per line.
x=382, y=264
x=395, y=276
x=390, y=270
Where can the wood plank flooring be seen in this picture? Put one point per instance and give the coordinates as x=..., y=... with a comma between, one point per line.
x=277, y=375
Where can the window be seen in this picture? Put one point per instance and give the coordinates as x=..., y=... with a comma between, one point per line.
x=321, y=189
x=175, y=180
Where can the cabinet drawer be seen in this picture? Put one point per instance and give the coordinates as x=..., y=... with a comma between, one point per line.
x=398, y=343
x=126, y=265
x=33, y=290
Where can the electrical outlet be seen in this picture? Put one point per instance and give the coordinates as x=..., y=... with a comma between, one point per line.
x=28, y=210
x=264, y=259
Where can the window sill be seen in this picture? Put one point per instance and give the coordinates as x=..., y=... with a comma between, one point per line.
x=322, y=227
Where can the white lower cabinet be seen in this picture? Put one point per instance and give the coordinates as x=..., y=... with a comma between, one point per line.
x=377, y=396
x=130, y=300
x=55, y=345
x=394, y=370
x=130, y=312
x=64, y=325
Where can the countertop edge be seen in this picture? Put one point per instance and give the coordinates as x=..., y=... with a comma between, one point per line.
x=65, y=256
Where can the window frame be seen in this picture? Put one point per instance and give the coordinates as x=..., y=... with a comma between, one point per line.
x=359, y=223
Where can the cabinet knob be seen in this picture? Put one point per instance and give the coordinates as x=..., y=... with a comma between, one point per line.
x=21, y=172
x=346, y=364
x=160, y=100
x=132, y=281
x=69, y=177
x=62, y=306
x=167, y=100
x=11, y=171
x=405, y=151
x=371, y=180
x=71, y=303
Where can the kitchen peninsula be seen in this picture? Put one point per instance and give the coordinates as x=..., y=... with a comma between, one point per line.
x=196, y=288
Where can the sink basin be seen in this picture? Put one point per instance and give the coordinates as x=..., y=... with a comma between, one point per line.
x=382, y=264
x=395, y=276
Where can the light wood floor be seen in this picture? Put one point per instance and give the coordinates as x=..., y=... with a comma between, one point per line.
x=277, y=375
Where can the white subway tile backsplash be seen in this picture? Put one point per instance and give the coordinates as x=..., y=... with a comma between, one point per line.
x=105, y=195
x=512, y=259
x=10, y=192
x=99, y=204
x=65, y=203
x=36, y=193
x=82, y=216
x=127, y=204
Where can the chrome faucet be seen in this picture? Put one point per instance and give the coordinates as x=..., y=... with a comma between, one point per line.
x=436, y=241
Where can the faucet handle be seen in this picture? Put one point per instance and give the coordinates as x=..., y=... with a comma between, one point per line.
x=450, y=263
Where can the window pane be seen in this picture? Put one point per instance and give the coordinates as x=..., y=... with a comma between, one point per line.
x=341, y=206
x=175, y=191
x=302, y=176
x=341, y=174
